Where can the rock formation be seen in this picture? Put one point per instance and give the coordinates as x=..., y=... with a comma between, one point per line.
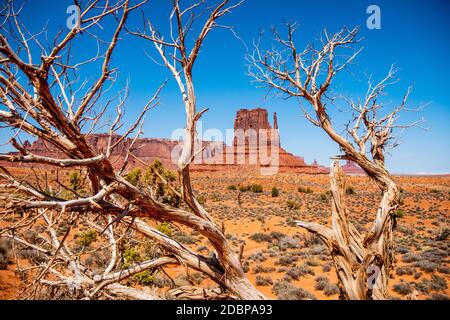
x=253, y=133
x=351, y=168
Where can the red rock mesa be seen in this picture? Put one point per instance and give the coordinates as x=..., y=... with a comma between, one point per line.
x=256, y=143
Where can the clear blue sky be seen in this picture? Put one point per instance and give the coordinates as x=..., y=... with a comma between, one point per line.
x=414, y=35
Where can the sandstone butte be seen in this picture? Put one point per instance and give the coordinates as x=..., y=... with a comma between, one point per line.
x=215, y=156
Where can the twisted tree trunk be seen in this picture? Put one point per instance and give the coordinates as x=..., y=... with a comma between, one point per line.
x=362, y=263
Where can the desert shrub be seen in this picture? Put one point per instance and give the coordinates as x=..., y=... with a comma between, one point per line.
x=422, y=286
x=157, y=177
x=162, y=281
x=31, y=254
x=286, y=260
x=201, y=199
x=417, y=275
x=245, y=266
x=312, y=263
x=350, y=190
x=62, y=228
x=292, y=205
x=402, y=249
x=262, y=269
x=312, y=239
x=443, y=269
x=260, y=237
x=287, y=242
x=185, y=238
x=410, y=257
x=263, y=281
x=435, y=283
x=326, y=267
x=275, y=192
x=406, y=231
x=256, y=188
x=75, y=180
x=321, y=282
x=277, y=235
x=443, y=234
x=404, y=270
x=425, y=265
x=152, y=178
x=258, y=257
x=438, y=283
x=4, y=256
x=232, y=187
x=130, y=256
x=86, y=238
x=402, y=288
x=65, y=194
x=195, y=278
x=324, y=196
x=399, y=213
x=165, y=228
x=318, y=249
x=438, y=296
x=144, y=278
x=330, y=289
x=304, y=190
x=151, y=249
x=287, y=291
x=299, y=271
x=434, y=255
x=99, y=259
x=134, y=176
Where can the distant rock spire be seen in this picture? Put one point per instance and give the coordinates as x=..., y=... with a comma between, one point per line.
x=275, y=121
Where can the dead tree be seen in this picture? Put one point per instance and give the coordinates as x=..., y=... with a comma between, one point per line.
x=307, y=75
x=42, y=97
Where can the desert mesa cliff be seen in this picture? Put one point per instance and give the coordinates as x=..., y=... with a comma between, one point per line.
x=256, y=143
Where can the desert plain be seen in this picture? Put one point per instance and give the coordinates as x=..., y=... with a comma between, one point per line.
x=281, y=259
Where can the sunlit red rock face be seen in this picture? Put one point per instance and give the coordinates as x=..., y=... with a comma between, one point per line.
x=146, y=149
x=257, y=120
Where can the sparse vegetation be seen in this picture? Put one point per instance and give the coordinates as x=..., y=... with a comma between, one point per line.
x=403, y=288
x=350, y=190
x=134, y=176
x=263, y=280
x=292, y=205
x=399, y=213
x=275, y=192
x=260, y=237
x=305, y=190
x=85, y=239
x=165, y=228
x=4, y=257
x=287, y=291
